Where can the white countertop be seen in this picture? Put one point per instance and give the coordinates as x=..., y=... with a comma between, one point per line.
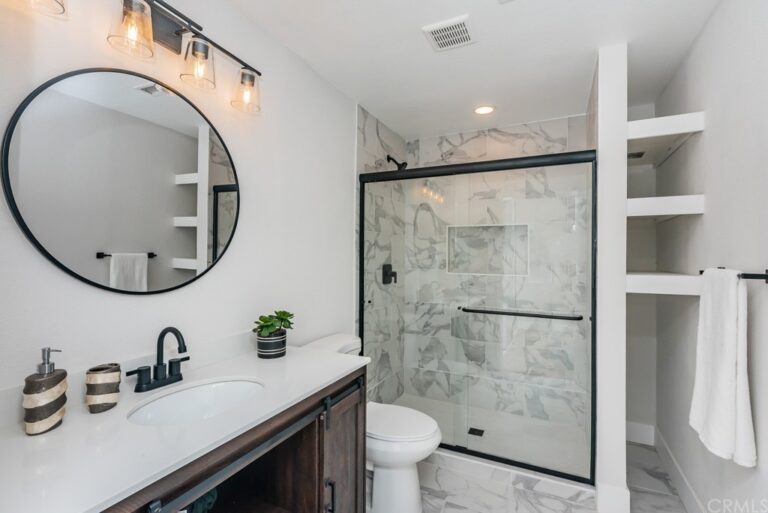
x=93, y=461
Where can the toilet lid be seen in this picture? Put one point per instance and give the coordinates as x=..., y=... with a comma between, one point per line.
x=398, y=424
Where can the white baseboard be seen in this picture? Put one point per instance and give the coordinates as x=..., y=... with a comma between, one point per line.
x=689, y=497
x=641, y=433
x=612, y=499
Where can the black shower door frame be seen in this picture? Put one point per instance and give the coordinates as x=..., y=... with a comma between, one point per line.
x=551, y=160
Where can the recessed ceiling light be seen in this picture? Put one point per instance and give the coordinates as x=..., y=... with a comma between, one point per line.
x=484, y=109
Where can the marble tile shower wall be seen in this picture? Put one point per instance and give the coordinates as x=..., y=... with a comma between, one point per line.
x=384, y=244
x=374, y=142
x=534, y=255
x=538, y=138
x=539, y=260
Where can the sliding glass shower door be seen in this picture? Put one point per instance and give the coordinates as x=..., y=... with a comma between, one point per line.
x=476, y=304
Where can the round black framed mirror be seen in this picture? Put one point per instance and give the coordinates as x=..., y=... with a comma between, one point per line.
x=120, y=181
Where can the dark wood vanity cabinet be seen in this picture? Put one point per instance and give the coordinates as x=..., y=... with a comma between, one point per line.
x=344, y=454
x=307, y=459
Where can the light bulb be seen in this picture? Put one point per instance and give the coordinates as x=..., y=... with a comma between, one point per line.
x=246, y=97
x=198, y=64
x=132, y=29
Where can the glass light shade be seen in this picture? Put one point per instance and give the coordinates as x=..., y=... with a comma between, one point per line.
x=247, y=96
x=198, y=64
x=132, y=31
x=50, y=7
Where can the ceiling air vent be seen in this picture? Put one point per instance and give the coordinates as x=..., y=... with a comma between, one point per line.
x=635, y=155
x=448, y=34
x=153, y=89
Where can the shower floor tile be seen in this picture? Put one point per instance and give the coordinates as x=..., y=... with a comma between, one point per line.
x=453, y=483
x=515, y=437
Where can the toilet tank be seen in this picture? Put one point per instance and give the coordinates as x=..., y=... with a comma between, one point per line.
x=338, y=343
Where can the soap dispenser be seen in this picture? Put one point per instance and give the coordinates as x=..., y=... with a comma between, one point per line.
x=44, y=396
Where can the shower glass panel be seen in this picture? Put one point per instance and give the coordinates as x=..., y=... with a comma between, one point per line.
x=487, y=326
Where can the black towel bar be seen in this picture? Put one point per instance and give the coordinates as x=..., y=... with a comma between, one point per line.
x=747, y=276
x=101, y=254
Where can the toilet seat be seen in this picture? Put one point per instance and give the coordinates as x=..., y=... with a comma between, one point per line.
x=392, y=423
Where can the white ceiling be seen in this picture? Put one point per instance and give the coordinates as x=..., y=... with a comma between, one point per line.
x=120, y=92
x=533, y=59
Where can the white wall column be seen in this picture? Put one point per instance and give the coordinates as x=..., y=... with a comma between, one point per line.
x=611, y=482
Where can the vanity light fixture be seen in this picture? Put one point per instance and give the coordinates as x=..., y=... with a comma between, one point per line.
x=247, y=97
x=198, y=64
x=50, y=7
x=131, y=32
x=144, y=22
x=484, y=109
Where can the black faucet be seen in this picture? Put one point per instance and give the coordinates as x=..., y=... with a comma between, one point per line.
x=144, y=380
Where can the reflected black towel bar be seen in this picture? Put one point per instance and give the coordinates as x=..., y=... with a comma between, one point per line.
x=101, y=254
x=747, y=276
x=513, y=313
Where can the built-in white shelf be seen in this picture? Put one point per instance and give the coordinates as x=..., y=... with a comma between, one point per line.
x=184, y=263
x=658, y=138
x=185, y=222
x=663, y=283
x=666, y=207
x=187, y=178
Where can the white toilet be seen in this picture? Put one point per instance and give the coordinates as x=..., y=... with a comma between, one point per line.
x=396, y=439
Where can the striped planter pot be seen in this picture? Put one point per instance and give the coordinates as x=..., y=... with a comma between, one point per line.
x=272, y=346
x=102, y=387
x=44, y=399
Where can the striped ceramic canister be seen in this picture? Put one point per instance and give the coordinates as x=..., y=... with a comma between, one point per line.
x=102, y=387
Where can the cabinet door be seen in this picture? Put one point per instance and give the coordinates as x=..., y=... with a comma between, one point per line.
x=344, y=455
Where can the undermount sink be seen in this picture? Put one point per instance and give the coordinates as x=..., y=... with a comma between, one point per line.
x=195, y=402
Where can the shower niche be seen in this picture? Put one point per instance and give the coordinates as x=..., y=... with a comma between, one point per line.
x=488, y=328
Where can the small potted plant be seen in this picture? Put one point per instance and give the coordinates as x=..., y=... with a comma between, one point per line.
x=271, y=333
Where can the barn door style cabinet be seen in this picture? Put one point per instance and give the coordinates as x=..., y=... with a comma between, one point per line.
x=308, y=459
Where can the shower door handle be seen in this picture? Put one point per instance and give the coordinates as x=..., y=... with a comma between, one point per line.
x=388, y=275
x=520, y=313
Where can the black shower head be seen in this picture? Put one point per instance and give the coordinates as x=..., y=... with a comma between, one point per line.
x=400, y=165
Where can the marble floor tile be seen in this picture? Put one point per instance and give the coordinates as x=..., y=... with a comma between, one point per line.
x=460, y=490
x=451, y=507
x=645, y=471
x=431, y=503
x=522, y=501
x=649, y=502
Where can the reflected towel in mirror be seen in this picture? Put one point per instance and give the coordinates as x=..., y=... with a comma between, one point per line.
x=128, y=271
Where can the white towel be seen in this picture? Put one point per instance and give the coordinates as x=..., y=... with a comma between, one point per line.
x=128, y=271
x=720, y=409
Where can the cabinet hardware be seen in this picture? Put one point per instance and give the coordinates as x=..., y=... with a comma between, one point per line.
x=331, y=508
x=328, y=404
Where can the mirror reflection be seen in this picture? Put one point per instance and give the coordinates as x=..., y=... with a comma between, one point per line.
x=121, y=182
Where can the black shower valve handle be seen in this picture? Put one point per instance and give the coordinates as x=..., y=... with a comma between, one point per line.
x=388, y=275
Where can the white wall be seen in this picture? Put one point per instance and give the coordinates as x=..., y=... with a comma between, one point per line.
x=641, y=310
x=725, y=75
x=294, y=243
